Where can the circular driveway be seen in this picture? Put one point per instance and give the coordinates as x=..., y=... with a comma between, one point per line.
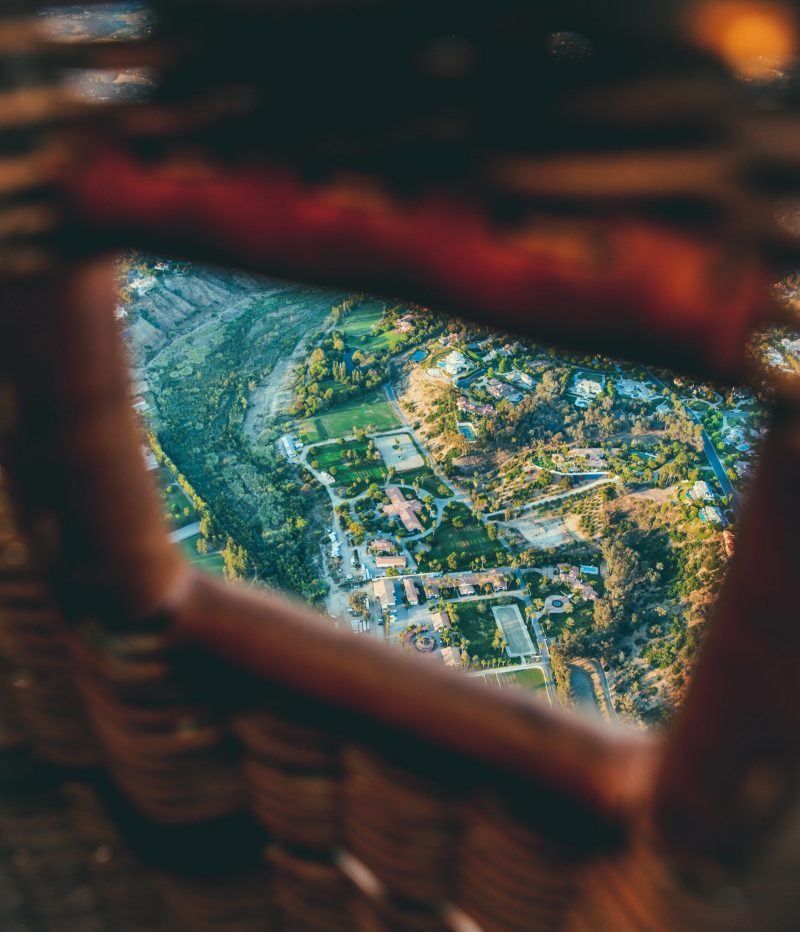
x=556, y=603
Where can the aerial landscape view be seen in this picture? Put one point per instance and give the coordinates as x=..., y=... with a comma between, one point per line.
x=535, y=519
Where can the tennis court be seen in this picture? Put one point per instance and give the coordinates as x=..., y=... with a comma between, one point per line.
x=515, y=633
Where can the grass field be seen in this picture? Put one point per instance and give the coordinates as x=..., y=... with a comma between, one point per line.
x=362, y=319
x=478, y=625
x=209, y=562
x=332, y=459
x=177, y=507
x=371, y=410
x=359, y=329
x=531, y=680
x=469, y=542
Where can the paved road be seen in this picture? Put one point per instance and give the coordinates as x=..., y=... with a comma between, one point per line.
x=710, y=451
x=185, y=532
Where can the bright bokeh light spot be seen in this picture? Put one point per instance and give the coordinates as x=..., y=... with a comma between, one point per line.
x=754, y=39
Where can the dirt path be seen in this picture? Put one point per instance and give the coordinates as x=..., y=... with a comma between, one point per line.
x=273, y=397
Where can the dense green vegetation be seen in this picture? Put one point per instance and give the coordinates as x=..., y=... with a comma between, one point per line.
x=178, y=507
x=255, y=511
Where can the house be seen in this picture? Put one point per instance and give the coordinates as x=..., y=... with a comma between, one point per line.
x=451, y=656
x=471, y=407
x=631, y=388
x=432, y=588
x=496, y=580
x=120, y=312
x=466, y=579
x=701, y=491
x=288, y=445
x=411, y=591
x=455, y=364
x=403, y=508
x=140, y=405
x=733, y=435
x=150, y=460
x=466, y=589
x=521, y=378
x=440, y=620
x=380, y=545
x=397, y=561
x=571, y=575
x=405, y=324
x=594, y=457
x=587, y=389
x=502, y=391
x=712, y=515
x=385, y=592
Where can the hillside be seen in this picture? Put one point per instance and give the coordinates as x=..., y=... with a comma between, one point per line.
x=206, y=344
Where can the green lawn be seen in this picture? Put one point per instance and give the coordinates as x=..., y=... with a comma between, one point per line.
x=469, y=543
x=478, y=625
x=528, y=679
x=359, y=330
x=362, y=319
x=209, y=562
x=332, y=459
x=371, y=410
x=531, y=680
x=177, y=507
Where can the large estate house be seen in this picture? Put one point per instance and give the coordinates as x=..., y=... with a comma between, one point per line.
x=404, y=508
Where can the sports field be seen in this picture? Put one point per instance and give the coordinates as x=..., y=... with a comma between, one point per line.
x=370, y=412
x=531, y=679
x=512, y=624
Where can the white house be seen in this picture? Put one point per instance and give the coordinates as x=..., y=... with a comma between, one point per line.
x=631, y=388
x=587, y=389
x=701, y=491
x=455, y=364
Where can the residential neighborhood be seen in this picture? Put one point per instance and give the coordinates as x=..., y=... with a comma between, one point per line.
x=530, y=518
